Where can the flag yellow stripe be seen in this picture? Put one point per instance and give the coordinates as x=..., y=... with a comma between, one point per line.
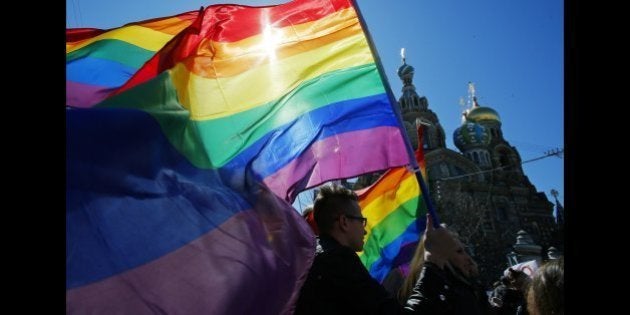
x=217, y=62
x=210, y=98
x=377, y=210
x=143, y=37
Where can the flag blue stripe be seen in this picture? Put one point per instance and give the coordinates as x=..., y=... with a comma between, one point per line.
x=147, y=199
x=96, y=71
x=289, y=141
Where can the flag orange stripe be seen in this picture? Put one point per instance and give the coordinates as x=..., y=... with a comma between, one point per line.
x=387, y=183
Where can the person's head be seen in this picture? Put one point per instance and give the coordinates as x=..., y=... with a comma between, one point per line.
x=461, y=261
x=338, y=214
x=546, y=292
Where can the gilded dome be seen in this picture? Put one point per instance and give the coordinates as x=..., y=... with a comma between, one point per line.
x=471, y=135
x=482, y=113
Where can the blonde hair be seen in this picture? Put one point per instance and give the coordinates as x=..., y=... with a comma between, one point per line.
x=546, y=292
x=414, y=272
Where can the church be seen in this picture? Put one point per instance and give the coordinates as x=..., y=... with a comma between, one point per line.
x=480, y=191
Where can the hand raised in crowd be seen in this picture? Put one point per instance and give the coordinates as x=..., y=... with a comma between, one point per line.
x=439, y=243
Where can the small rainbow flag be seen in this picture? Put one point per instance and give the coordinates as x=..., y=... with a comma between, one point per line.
x=396, y=213
x=177, y=183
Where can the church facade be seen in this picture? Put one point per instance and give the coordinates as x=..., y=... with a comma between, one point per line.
x=480, y=190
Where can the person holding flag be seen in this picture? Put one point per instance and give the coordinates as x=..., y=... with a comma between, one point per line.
x=338, y=283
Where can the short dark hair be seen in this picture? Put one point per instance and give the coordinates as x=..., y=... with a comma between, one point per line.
x=330, y=203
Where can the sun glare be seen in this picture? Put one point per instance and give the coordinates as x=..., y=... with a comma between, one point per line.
x=271, y=39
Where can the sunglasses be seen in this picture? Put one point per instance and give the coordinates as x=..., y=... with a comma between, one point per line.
x=363, y=220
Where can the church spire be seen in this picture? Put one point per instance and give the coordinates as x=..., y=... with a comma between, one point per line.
x=402, y=55
x=472, y=98
x=405, y=72
x=414, y=106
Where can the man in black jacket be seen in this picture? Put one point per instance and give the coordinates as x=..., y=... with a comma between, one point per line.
x=338, y=283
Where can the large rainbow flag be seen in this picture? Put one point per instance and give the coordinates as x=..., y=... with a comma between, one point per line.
x=99, y=61
x=396, y=213
x=177, y=184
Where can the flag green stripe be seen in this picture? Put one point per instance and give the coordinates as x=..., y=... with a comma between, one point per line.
x=213, y=143
x=388, y=230
x=115, y=50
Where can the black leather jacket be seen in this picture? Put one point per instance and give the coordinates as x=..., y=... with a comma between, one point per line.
x=338, y=283
x=432, y=294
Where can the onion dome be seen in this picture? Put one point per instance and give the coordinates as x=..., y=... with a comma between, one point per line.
x=471, y=135
x=405, y=72
x=482, y=113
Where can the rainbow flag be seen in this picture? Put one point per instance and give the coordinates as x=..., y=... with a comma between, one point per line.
x=99, y=61
x=177, y=185
x=396, y=213
x=301, y=70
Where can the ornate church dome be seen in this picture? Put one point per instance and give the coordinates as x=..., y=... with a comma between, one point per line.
x=470, y=135
x=405, y=70
x=482, y=113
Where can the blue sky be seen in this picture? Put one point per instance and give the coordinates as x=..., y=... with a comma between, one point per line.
x=511, y=50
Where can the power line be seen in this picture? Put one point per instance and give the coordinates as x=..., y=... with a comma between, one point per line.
x=530, y=147
x=80, y=13
x=74, y=11
x=554, y=152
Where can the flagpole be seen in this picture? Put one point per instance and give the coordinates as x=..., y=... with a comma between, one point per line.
x=388, y=90
x=392, y=101
x=427, y=199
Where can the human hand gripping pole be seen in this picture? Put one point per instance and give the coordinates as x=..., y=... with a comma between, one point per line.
x=438, y=242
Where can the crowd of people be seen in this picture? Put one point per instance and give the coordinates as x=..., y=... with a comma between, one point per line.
x=442, y=277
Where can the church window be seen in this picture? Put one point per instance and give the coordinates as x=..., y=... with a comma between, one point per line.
x=504, y=160
x=444, y=170
x=501, y=214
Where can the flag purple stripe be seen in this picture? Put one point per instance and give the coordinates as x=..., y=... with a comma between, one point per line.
x=325, y=160
x=85, y=95
x=202, y=274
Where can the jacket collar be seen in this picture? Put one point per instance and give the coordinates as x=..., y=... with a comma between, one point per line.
x=327, y=243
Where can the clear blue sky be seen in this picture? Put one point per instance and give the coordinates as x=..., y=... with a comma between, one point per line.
x=511, y=50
